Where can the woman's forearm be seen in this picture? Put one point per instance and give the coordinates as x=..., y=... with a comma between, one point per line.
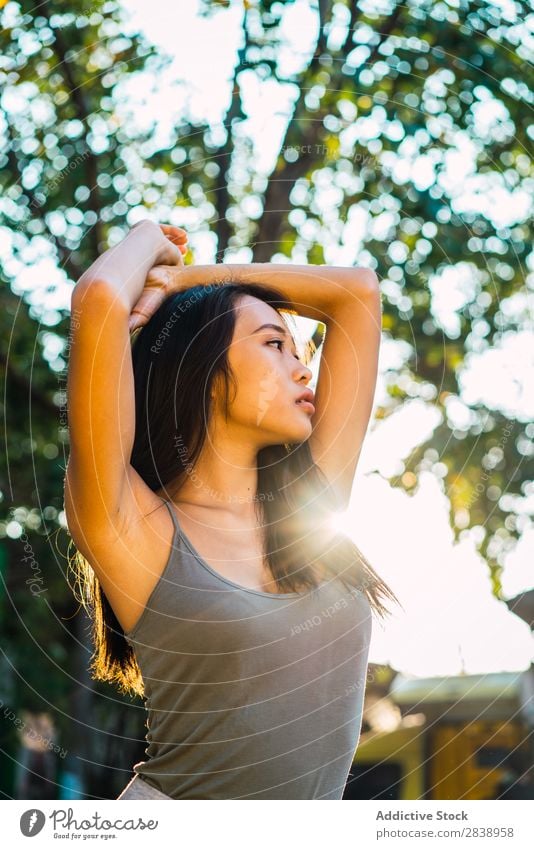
x=316, y=291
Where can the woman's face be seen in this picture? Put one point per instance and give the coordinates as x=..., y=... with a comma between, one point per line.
x=269, y=378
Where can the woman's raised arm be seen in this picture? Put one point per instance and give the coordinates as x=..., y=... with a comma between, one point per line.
x=317, y=291
x=100, y=385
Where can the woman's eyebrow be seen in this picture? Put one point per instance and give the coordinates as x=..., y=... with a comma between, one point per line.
x=272, y=327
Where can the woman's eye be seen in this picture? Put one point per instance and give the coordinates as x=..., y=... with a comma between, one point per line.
x=280, y=342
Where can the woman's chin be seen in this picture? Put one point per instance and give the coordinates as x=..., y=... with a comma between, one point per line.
x=294, y=432
x=297, y=434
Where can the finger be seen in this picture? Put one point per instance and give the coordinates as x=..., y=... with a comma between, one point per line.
x=174, y=234
x=174, y=255
x=165, y=227
x=172, y=276
x=177, y=243
x=145, y=308
x=176, y=239
x=135, y=322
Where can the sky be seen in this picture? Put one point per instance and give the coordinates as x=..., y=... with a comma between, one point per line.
x=450, y=622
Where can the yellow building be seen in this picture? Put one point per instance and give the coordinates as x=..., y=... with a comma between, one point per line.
x=459, y=737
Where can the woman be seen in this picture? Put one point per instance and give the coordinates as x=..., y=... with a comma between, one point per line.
x=219, y=588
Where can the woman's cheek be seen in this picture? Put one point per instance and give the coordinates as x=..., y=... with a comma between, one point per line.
x=267, y=393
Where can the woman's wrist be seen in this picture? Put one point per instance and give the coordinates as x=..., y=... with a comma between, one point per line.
x=150, y=239
x=125, y=266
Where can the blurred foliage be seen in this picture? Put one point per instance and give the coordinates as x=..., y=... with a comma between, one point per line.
x=381, y=112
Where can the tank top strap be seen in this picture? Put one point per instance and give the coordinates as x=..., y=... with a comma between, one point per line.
x=174, y=517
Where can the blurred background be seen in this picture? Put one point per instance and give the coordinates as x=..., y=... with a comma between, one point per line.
x=391, y=135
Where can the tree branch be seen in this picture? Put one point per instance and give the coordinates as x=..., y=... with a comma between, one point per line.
x=222, y=195
x=276, y=202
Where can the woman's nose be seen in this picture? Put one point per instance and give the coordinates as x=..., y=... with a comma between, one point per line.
x=303, y=372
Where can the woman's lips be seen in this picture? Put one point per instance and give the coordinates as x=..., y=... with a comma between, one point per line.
x=306, y=404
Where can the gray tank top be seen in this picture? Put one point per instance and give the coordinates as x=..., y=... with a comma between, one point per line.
x=250, y=695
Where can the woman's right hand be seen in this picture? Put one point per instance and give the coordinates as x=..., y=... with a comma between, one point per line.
x=169, y=241
x=159, y=282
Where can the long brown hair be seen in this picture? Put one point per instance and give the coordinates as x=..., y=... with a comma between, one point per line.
x=177, y=358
